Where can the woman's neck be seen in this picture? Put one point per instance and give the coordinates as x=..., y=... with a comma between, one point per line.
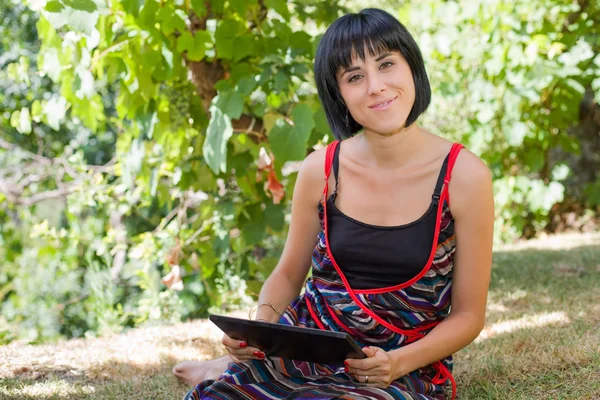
x=391, y=151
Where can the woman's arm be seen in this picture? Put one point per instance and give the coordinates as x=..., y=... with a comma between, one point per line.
x=472, y=205
x=286, y=280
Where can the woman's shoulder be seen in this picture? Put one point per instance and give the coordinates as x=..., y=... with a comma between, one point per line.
x=314, y=164
x=470, y=185
x=467, y=167
x=470, y=170
x=311, y=176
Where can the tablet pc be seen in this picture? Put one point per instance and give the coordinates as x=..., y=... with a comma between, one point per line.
x=293, y=342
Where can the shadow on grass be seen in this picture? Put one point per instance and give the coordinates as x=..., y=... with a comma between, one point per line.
x=544, y=280
x=104, y=381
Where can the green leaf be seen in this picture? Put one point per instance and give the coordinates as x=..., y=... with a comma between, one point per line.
x=77, y=20
x=199, y=7
x=240, y=163
x=195, y=46
x=202, y=40
x=252, y=223
x=84, y=84
x=287, y=144
x=535, y=159
x=24, y=121
x=303, y=121
x=282, y=80
x=280, y=6
x=282, y=32
x=269, y=120
x=217, y=6
x=218, y=133
x=148, y=15
x=224, y=37
x=275, y=216
x=241, y=70
x=54, y=6
x=148, y=122
x=164, y=65
x=21, y=120
x=231, y=103
x=36, y=111
x=246, y=85
x=132, y=6
x=241, y=6
x=301, y=42
x=274, y=100
x=244, y=46
x=185, y=41
x=170, y=21
x=82, y=5
x=321, y=123
x=576, y=86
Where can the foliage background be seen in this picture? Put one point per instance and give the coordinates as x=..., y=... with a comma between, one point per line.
x=149, y=149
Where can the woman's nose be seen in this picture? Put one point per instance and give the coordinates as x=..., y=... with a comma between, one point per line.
x=375, y=85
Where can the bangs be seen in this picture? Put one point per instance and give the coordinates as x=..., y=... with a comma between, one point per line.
x=359, y=40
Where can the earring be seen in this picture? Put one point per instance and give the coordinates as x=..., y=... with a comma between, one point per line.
x=347, y=118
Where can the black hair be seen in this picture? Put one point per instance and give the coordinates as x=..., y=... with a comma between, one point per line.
x=378, y=32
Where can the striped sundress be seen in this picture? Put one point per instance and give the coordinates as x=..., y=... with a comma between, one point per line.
x=385, y=317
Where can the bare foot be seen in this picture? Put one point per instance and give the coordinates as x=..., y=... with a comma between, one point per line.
x=194, y=372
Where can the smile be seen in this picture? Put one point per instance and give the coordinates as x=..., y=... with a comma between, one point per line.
x=383, y=105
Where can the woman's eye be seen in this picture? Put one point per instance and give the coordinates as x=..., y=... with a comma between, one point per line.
x=353, y=78
x=387, y=64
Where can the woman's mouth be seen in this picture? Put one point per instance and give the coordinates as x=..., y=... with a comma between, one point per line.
x=383, y=105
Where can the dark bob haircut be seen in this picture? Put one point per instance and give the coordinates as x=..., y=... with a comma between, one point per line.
x=378, y=32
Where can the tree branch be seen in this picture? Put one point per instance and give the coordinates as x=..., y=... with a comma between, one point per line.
x=51, y=194
x=14, y=183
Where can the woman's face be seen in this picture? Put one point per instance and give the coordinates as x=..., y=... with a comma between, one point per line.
x=379, y=92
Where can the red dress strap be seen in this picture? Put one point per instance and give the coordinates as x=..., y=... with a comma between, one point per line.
x=442, y=373
x=456, y=148
x=329, y=157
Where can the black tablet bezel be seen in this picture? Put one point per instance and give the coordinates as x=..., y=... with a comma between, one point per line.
x=312, y=345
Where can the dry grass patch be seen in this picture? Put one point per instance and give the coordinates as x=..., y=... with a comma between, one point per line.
x=134, y=365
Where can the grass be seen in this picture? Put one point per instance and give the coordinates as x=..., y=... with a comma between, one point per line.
x=541, y=340
x=542, y=334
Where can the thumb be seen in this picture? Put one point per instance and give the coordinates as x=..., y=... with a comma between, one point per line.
x=370, y=351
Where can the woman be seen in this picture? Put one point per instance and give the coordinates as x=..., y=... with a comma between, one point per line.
x=395, y=264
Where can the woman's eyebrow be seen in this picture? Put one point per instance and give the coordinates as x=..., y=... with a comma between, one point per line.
x=349, y=69
x=381, y=57
x=354, y=68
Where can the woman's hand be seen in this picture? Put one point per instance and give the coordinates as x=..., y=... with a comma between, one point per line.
x=240, y=351
x=376, y=370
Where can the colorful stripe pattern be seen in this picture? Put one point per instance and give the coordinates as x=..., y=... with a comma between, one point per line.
x=387, y=318
x=276, y=378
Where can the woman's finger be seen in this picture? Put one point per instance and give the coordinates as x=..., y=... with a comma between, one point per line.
x=246, y=353
x=363, y=372
x=241, y=350
x=371, y=381
x=233, y=343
